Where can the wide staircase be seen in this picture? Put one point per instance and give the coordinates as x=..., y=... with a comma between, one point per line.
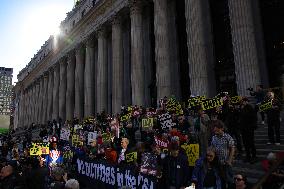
x=254, y=171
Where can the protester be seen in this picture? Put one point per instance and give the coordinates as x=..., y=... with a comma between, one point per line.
x=225, y=149
x=123, y=151
x=248, y=123
x=206, y=173
x=273, y=119
x=259, y=94
x=240, y=182
x=58, y=180
x=72, y=184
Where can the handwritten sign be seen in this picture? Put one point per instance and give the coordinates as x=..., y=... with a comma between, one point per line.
x=265, y=106
x=211, y=103
x=161, y=143
x=106, y=137
x=131, y=157
x=38, y=149
x=76, y=140
x=147, y=123
x=192, y=153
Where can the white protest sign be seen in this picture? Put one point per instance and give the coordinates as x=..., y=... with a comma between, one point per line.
x=165, y=120
x=91, y=137
x=64, y=134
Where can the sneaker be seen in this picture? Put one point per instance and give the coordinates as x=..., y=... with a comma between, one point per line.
x=277, y=143
x=268, y=143
x=262, y=123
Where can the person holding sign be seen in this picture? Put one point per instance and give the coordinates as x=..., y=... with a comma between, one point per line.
x=206, y=173
x=273, y=120
x=123, y=151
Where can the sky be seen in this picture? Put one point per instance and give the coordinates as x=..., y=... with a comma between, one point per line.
x=25, y=25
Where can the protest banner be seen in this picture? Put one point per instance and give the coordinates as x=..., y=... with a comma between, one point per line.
x=98, y=174
x=192, y=153
x=131, y=157
x=65, y=134
x=38, y=149
x=265, y=106
x=195, y=101
x=211, y=103
x=165, y=120
x=147, y=123
x=91, y=136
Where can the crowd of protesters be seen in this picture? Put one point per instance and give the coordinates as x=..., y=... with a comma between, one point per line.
x=221, y=133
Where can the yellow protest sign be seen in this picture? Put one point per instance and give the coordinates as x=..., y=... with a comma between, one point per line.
x=211, y=103
x=131, y=157
x=106, y=137
x=38, y=149
x=174, y=106
x=68, y=154
x=76, y=140
x=195, y=101
x=125, y=117
x=265, y=106
x=147, y=123
x=235, y=99
x=192, y=152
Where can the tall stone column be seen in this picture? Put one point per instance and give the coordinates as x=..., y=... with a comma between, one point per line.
x=137, y=66
x=147, y=57
x=37, y=101
x=79, y=83
x=55, y=98
x=101, y=90
x=200, y=48
x=162, y=53
x=174, y=48
x=62, y=90
x=50, y=94
x=70, y=95
x=45, y=96
x=117, y=65
x=90, y=78
x=40, y=99
x=244, y=45
x=32, y=102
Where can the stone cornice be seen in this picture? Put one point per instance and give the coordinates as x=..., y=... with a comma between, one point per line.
x=96, y=17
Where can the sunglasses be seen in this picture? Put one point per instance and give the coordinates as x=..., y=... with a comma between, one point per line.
x=238, y=179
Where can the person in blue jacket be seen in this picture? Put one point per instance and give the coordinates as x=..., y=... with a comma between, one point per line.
x=55, y=156
x=206, y=173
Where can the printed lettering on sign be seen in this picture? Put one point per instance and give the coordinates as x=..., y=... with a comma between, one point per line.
x=38, y=149
x=211, y=103
x=106, y=137
x=91, y=137
x=161, y=143
x=165, y=120
x=174, y=106
x=131, y=157
x=147, y=124
x=236, y=99
x=195, y=101
x=265, y=106
x=192, y=153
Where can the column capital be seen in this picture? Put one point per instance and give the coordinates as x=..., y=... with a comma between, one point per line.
x=90, y=41
x=71, y=54
x=80, y=48
x=116, y=20
x=136, y=6
x=101, y=32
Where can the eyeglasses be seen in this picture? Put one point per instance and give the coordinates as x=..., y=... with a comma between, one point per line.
x=238, y=179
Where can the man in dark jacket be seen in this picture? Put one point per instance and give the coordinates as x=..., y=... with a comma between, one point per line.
x=8, y=178
x=176, y=170
x=248, y=122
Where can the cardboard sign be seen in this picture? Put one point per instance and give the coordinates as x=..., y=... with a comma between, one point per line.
x=266, y=106
x=211, y=103
x=91, y=137
x=147, y=123
x=165, y=121
x=131, y=157
x=236, y=99
x=38, y=149
x=126, y=117
x=192, y=153
x=64, y=134
x=76, y=140
x=195, y=101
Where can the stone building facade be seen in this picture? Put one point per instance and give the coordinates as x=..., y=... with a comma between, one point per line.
x=122, y=52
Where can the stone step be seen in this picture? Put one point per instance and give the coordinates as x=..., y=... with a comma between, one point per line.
x=264, y=145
